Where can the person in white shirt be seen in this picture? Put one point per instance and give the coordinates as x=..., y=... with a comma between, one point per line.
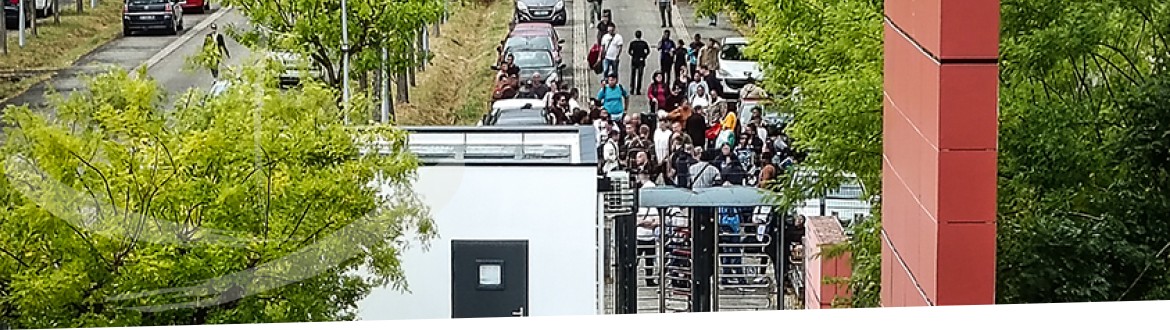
x=612, y=44
x=662, y=142
x=610, y=153
x=701, y=98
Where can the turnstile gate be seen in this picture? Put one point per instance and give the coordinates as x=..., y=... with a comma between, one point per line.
x=713, y=249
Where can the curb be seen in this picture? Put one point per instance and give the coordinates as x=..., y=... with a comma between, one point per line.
x=174, y=45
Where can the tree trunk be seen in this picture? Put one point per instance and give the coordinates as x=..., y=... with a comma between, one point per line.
x=403, y=87
x=32, y=13
x=57, y=12
x=80, y=7
x=4, y=38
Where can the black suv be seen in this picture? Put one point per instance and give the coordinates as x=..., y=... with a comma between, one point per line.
x=12, y=15
x=551, y=11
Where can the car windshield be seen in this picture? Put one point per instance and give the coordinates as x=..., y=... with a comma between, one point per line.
x=527, y=117
x=734, y=52
x=528, y=43
x=533, y=59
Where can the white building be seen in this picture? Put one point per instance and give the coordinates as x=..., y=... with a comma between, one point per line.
x=518, y=218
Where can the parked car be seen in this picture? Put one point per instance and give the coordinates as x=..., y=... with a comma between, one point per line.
x=523, y=41
x=145, y=15
x=545, y=28
x=516, y=112
x=735, y=66
x=533, y=61
x=196, y=6
x=12, y=15
x=296, y=67
x=552, y=11
x=45, y=8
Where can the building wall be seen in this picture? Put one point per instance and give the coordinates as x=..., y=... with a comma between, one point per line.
x=940, y=131
x=555, y=208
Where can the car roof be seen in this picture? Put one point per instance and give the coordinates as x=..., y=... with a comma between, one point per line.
x=530, y=33
x=520, y=117
x=735, y=40
x=531, y=25
x=512, y=104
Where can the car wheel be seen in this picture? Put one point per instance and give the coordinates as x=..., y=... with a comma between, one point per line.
x=125, y=31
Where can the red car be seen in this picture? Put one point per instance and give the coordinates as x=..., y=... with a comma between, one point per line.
x=195, y=6
x=532, y=39
x=534, y=26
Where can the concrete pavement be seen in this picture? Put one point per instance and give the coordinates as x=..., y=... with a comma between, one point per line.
x=133, y=51
x=635, y=15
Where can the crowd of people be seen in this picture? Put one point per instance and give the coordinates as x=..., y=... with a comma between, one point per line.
x=690, y=136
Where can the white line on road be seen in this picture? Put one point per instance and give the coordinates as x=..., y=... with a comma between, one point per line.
x=581, y=71
x=191, y=33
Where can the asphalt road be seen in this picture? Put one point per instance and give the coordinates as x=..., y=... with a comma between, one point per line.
x=133, y=51
x=639, y=15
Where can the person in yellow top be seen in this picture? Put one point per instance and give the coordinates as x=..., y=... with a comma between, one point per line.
x=729, y=120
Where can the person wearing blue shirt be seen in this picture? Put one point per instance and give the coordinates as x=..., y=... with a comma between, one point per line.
x=614, y=98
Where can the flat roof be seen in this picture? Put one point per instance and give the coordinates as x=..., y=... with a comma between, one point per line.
x=561, y=145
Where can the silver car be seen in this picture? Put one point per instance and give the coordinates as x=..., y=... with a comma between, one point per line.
x=735, y=66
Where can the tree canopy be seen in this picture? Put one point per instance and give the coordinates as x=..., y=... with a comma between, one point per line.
x=313, y=28
x=1083, y=135
x=255, y=205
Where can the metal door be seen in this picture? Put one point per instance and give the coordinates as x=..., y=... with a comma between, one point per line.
x=489, y=278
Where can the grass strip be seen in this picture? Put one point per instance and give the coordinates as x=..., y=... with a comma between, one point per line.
x=455, y=88
x=57, y=46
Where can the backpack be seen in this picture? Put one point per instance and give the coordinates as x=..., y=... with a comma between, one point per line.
x=729, y=219
x=595, y=55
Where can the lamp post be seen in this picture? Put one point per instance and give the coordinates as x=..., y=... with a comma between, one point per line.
x=20, y=16
x=345, y=61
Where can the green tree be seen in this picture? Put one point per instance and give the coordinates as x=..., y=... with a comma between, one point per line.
x=257, y=205
x=312, y=28
x=831, y=51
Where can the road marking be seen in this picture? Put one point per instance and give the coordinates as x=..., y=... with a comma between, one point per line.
x=680, y=24
x=581, y=70
x=174, y=45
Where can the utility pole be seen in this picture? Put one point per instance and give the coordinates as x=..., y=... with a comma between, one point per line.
x=345, y=61
x=384, y=87
x=21, y=17
x=4, y=38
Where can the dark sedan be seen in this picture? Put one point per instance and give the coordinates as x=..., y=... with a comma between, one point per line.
x=12, y=15
x=146, y=15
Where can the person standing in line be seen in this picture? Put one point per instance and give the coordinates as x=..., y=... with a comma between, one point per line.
x=604, y=25
x=658, y=93
x=614, y=98
x=639, y=51
x=693, y=53
x=611, y=49
x=664, y=10
x=709, y=55
x=680, y=59
x=666, y=55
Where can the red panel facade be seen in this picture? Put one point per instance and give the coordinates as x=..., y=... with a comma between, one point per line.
x=939, y=174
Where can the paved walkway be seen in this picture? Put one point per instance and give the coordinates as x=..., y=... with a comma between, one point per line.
x=642, y=15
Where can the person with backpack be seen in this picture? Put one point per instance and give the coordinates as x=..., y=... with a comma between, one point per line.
x=614, y=98
x=703, y=173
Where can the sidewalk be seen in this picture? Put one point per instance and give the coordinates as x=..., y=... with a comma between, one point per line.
x=642, y=15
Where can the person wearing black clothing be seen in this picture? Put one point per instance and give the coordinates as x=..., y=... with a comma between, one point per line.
x=638, y=51
x=604, y=24
x=680, y=58
x=666, y=56
x=681, y=161
x=695, y=47
x=730, y=169
x=713, y=83
x=696, y=128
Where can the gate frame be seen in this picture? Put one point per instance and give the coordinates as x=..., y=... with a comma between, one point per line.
x=701, y=203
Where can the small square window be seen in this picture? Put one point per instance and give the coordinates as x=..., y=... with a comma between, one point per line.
x=490, y=275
